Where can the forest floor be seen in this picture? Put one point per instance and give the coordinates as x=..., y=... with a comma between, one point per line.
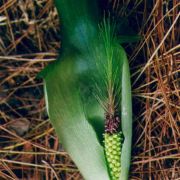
x=29, y=40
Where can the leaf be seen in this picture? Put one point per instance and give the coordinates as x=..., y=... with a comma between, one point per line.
x=126, y=118
x=79, y=85
x=20, y=126
x=79, y=119
x=69, y=119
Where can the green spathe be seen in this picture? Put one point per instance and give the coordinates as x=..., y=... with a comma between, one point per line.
x=76, y=87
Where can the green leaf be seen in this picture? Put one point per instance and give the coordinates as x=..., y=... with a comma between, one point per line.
x=126, y=118
x=66, y=112
x=93, y=65
x=77, y=116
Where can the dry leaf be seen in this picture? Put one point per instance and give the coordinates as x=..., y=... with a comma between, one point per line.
x=20, y=126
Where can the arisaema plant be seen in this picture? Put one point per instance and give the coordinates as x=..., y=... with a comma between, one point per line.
x=88, y=92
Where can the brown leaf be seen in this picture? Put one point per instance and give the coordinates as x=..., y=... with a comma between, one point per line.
x=20, y=126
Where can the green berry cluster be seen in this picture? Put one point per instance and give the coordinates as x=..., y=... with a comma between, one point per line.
x=113, y=146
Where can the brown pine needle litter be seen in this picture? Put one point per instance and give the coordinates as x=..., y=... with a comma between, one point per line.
x=29, y=40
